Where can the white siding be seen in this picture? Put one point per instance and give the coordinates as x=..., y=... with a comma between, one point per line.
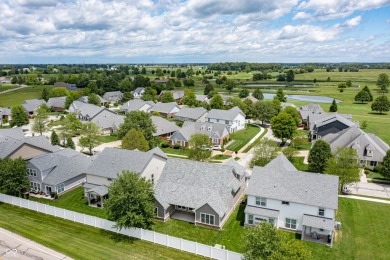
x=97, y=180
x=155, y=166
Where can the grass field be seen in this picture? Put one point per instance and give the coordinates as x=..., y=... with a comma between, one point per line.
x=298, y=163
x=257, y=141
x=80, y=241
x=4, y=87
x=242, y=137
x=16, y=98
x=175, y=151
x=221, y=157
x=107, y=138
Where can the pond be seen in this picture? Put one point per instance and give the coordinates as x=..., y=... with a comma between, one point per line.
x=319, y=99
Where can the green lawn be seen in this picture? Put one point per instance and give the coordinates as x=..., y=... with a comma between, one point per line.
x=298, y=163
x=81, y=241
x=257, y=141
x=4, y=87
x=303, y=133
x=242, y=137
x=107, y=138
x=221, y=157
x=363, y=235
x=17, y=97
x=376, y=175
x=175, y=151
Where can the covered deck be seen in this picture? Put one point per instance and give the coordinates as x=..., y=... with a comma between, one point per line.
x=184, y=216
x=318, y=229
x=97, y=195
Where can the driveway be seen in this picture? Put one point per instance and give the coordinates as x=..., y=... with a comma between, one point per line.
x=13, y=246
x=370, y=189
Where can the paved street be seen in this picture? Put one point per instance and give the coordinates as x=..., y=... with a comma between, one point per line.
x=13, y=246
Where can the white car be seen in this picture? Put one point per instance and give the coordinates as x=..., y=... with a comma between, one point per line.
x=216, y=147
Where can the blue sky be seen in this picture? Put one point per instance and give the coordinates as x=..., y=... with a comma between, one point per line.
x=178, y=31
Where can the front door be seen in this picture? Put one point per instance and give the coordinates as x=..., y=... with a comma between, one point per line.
x=48, y=190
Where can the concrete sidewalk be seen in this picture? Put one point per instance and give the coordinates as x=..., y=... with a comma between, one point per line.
x=364, y=198
x=13, y=246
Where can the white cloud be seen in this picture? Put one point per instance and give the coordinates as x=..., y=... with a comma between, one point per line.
x=353, y=22
x=302, y=15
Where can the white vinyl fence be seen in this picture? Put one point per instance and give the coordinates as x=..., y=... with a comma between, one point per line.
x=151, y=236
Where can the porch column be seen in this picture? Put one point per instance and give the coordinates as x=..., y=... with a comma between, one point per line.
x=303, y=232
x=89, y=199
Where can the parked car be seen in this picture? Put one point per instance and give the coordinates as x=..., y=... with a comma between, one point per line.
x=216, y=147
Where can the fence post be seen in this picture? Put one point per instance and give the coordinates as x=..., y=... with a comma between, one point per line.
x=84, y=218
x=20, y=203
x=45, y=209
x=55, y=212
x=154, y=236
x=181, y=244
x=227, y=254
x=95, y=222
x=211, y=252
x=28, y=204
x=141, y=234
x=167, y=240
x=196, y=248
x=36, y=204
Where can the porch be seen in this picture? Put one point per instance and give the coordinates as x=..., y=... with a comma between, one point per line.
x=97, y=195
x=318, y=229
x=184, y=216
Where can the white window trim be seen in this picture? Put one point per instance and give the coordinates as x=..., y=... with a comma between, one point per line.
x=323, y=209
x=289, y=224
x=262, y=201
x=209, y=215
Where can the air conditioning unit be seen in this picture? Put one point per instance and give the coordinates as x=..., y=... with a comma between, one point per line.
x=338, y=225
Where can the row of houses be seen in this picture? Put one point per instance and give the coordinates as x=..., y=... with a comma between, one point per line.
x=340, y=131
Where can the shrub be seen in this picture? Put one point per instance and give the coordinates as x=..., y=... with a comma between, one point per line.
x=165, y=144
x=116, y=104
x=56, y=196
x=366, y=172
x=106, y=105
x=176, y=146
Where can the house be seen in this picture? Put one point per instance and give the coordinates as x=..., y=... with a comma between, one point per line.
x=323, y=124
x=370, y=148
x=32, y=104
x=138, y=93
x=5, y=80
x=15, y=145
x=113, y=96
x=233, y=118
x=202, y=98
x=106, y=166
x=57, y=103
x=199, y=192
x=304, y=111
x=161, y=81
x=57, y=172
x=164, y=128
x=251, y=98
x=289, y=199
x=191, y=114
x=136, y=104
x=11, y=133
x=217, y=133
x=5, y=115
x=84, y=99
x=68, y=86
x=165, y=109
x=177, y=94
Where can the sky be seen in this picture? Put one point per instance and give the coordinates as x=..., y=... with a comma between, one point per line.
x=194, y=31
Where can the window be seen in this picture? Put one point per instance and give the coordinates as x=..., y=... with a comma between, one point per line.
x=181, y=207
x=372, y=163
x=271, y=221
x=215, y=141
x=60, y=187
x=32, y=172
x=209, y=128
x=321, y=212
x=261, y=201
x=285, y=203
x=35, y=186
x=156, y=211
x=226, y=122
x=250, y=219
x=217, y=120
x=109, y=179
x=152, y=178
x=291, y=223
x=207, y=219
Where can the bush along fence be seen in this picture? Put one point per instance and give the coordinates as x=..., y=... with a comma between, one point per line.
x=147, y=235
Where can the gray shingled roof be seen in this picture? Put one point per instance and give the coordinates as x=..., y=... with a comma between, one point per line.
x=90, y=110
x=191, y=128
x=14, y=133
x=138, y=90
x=271, y=213
x=356, y=138
x=280, y=180
x=194, y=184
x=318, y=222
x=4, y=112
x=317, y=120
x=191, y=113
x=177, y=94
x=100, y=190
x=136, y=104
x=164, y=107
x=31, y=104
x=202, y=98
x=85, y=99
x=62, y=166
x=56, y=102
x=308, y=109
x=230, y=114
x=112, y=161
x=112, y=94
x=163, y=126
x=107, y=119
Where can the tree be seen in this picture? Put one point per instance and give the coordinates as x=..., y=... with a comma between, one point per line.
x=126, y=97
x=19, y=116
x=318, y=156
x=13, y=177
x=362, y=96
x=69, y=143
x=348, y=83
x=342, y=86
x=264, y=152
x=384, y=168
x=209, y=87
x=369, y=93
x=216, y=102
x=264, y=241
x=45, y=94
x=139, y=120
x=383, y=82
x=70, y=124
x=299, y=142
x=131, y=201
x=58, y=92
x=294, y=113
x=93, y=99
x=230, y=85
x=167, y=97
x=40, y=118
x=264, y=111
x=280, y=95
x=283, y=126
x=135, y=139
x=381, y=104
x=93, y=87
x=290, y=152
x=189, y=98
x=243, y=93
x=333, y=106
x=54, y=138
x=198, y=144
x=290, y=76
x=89, y=134
x=344, y=164
x=258, y=94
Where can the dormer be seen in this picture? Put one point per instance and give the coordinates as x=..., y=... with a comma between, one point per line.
x=369, y=150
